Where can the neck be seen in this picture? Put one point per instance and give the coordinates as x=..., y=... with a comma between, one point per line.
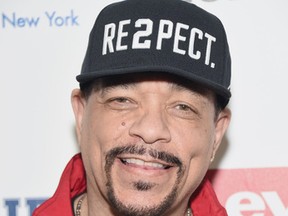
x=81, y=206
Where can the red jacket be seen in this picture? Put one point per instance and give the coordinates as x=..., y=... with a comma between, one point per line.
x=73, y=182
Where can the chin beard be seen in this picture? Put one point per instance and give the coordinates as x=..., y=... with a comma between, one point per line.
x=122, y=209
x=138, y=210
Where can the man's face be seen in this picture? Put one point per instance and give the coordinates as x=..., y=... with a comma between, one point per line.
x=146, y=144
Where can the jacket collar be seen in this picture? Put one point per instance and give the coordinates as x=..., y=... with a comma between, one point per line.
x=73, y=182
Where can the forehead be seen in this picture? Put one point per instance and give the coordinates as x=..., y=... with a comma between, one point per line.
x=132, y=81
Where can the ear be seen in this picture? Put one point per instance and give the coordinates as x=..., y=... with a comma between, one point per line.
x=221, y=126
x=78, y=104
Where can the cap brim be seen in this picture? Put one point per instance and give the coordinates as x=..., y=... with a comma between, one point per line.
x=219, y=90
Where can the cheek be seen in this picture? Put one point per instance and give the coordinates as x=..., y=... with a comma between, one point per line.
x=194, y=142
x=101, y=132
x=196, y=146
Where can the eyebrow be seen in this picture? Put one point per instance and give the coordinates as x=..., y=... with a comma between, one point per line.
x=108, y=87
x=130, y=85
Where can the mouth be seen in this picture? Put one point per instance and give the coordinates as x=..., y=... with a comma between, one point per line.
x=136, y=162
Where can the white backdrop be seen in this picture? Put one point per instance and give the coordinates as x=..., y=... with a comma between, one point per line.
x=42, y=45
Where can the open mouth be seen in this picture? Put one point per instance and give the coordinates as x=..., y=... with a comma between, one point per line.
x=144, y=164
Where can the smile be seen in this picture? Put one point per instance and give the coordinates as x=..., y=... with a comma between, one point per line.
x=143, y=164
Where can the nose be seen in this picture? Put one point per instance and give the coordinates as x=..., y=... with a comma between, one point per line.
x=151, y=126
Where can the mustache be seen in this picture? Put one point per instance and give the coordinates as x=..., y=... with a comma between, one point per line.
x=141, y=150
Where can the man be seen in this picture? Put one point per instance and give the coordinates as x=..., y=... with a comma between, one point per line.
x=150, y=115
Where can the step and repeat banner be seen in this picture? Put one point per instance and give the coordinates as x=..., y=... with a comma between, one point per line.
x=42, y=46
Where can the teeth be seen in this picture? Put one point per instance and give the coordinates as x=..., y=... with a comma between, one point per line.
x=143, y=163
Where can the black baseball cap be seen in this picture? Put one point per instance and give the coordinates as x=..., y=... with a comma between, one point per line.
x=166, y=36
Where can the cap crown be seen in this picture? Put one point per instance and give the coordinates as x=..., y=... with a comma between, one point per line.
x=169, y=36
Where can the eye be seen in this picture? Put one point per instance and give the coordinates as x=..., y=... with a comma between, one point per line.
x=184, y=111
x=120, y=100
x=120, y=103
x=184, y=107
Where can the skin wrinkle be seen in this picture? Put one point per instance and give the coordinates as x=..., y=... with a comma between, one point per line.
x=173, y=87
x=173, y=137
x=105, y=85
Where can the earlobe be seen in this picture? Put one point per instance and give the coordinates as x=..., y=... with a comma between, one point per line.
x=221, y=126
x=78, y=105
